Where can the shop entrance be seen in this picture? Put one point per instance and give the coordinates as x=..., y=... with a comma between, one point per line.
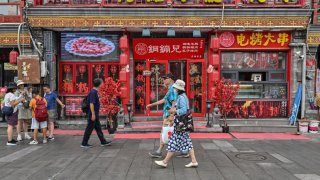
x=190, y=71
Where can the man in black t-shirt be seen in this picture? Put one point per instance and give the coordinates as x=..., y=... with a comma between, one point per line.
x=93, y=116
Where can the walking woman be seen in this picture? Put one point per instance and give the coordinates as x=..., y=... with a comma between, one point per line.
x=11, y=101
x=180, y=140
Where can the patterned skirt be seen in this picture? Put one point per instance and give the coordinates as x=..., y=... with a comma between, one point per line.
x=179, y=141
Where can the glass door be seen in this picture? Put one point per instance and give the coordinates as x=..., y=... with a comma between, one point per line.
x=196, y=86
x=178, y=69
x=155, y=88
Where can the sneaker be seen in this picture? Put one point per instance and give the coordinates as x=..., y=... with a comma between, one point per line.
x=26, y=136
x=11, y=143
x=155, y=154
x=161, y=163
x=34, y=142
x=86, y=146
x=183, y=155
x=15, y=141
x=19, y=137
x=44, y=141
x=50, y=138
x=107, y=143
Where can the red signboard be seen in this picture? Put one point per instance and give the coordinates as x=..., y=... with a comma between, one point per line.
x=255, y=39
x=168, y=48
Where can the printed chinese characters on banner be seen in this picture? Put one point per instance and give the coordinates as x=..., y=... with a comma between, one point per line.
x=163, y=48
x=255, y=39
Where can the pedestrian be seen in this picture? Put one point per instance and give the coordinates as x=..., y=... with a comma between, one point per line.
x=38, y=105
x=93, y=116
x=169, y=102
x=180, y=140
x=10, y=104
x=51, y=99
x=24, y=115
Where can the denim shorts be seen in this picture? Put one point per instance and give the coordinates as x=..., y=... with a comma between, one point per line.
x=37, y=125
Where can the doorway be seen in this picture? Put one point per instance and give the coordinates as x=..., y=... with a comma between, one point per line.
x=190, y=71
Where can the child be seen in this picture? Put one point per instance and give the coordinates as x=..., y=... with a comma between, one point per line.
x=35, y=104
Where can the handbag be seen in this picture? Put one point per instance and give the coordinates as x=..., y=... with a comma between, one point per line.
x=185, y=122
x=27, y=102
x=6, y=110
x=166, y=134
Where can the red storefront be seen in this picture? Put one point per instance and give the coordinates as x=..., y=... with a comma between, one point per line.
x=261, y=62
x=154, y=57
x=79, y=65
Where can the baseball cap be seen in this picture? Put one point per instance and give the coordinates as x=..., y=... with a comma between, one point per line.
x=169, y=75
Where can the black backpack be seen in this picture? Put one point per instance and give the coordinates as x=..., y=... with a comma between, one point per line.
x=85, y=105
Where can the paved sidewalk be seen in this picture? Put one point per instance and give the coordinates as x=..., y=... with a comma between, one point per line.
x=127, y=159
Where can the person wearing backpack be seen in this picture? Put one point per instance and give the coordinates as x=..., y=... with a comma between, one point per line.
x=38, y=106
x=51, y=99
x=24, y=114
x=10, y=110
x=93, y=108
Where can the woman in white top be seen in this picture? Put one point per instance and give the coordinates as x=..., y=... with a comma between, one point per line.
x=10, y=100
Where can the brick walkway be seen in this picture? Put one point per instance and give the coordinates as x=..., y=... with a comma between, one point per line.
x=230, y=159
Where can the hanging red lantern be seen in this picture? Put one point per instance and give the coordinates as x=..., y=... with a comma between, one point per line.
x=123, y=92
x=215, y=43
x=124, y=59
x=124, y=42
x=13, y=57
x=214, y=75
x=123, y=76
x=214, y=60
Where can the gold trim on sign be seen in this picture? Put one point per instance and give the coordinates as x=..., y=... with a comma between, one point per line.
x=12, y=38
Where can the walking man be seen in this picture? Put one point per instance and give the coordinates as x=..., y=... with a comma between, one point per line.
x=51, y=99
x=93, y=116
x=169, y=101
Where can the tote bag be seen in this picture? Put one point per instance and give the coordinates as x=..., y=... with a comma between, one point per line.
x=166, y=133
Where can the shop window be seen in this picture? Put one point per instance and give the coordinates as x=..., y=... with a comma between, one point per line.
x=140, y=87
x=67, y=78
x=98, y=71
x=113, y=71
x=251, y=76
x=82, y=81
x=157, y=90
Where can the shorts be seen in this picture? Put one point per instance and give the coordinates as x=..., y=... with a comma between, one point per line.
x=52, y=115
x=13, y=119
x=24, y=114
x=36, y=124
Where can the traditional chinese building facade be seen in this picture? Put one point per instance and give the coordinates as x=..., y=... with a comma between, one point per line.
x=197, y=41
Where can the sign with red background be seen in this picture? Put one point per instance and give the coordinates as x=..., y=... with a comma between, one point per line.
x=255, y=39
x=168, y=48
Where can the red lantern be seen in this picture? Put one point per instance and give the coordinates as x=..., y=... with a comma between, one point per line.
x=214, y=75
x=123, y=76
x=215, y=43
x=123, y=92
x=13, y=57
x=214, y=60
x=124, y=42
x=124, y=59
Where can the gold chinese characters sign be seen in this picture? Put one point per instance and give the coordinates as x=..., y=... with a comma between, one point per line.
x=149, y=21
x=29, y=69
x=255, y=39
x=314, y=38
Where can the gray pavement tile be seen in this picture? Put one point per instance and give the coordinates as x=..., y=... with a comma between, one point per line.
x=277, y=172
x=109, y=153
x=219, y=158
x=6, y=171
x=253, y=171
x=96, y=169
x=225, y=146
x=113, y=176
x=146, y=146
x=210, y=175
x=297, y=169
x=281, y=158
x=232, y=173
x=307, y=176
x=209, y=146
x=18, y=154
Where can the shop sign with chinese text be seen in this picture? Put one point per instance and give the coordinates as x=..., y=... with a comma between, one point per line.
x=255, y=39
x=29, y=69
x=168, y=48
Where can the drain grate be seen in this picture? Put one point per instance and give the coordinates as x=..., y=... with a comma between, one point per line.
x=251, y=157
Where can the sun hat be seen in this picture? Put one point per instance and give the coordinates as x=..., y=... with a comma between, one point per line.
x=20, y=82
x=179, y=84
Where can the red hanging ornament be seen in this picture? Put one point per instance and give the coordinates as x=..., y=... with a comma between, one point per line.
x=124, y=59
x=123, y=76
x=13, y=57
x=124, y=43
x=215, y=44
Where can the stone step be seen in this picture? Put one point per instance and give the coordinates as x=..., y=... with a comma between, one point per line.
x=262, y=128
x=262, y=122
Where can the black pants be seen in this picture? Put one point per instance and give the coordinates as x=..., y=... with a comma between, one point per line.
x=93, y=125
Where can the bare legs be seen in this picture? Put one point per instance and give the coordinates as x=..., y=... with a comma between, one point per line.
x=35, y=134
x=193, y=156
x=22, y=124
x=168, y=157
x=51, y=128
x=10, y=132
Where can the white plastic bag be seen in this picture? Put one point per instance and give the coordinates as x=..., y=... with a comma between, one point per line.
x=166, y=133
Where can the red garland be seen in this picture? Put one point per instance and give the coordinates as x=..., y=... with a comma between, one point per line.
x=223, y=94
